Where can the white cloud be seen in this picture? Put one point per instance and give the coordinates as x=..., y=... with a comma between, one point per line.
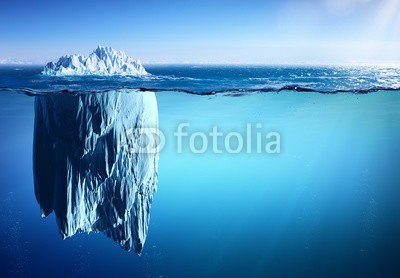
x=15, y=61
x=343, y=7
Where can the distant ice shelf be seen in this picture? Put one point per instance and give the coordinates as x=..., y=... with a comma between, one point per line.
x=91, y=167
x=102, y=61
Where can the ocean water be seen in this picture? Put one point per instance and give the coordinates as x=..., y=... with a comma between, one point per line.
x=326, y=205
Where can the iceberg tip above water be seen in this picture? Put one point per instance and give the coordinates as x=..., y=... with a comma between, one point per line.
x=102, y=61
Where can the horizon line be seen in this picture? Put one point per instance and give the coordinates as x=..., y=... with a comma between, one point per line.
x=351, y=63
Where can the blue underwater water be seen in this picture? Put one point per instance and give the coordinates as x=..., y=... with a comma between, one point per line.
x=327, y=205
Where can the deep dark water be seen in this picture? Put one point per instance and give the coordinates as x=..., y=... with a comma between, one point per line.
x=326, y=206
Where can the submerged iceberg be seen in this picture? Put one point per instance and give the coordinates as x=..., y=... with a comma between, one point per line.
x=102, y=61
x=92, y=166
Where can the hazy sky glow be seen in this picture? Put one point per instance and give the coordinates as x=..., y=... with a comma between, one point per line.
x=209, y=31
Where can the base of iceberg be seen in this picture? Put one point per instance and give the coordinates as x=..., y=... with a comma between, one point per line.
x=86, y=165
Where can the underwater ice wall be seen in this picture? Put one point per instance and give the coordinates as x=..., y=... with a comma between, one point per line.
x=92, y=166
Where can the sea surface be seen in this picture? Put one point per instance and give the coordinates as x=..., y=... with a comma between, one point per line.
x=326, y=205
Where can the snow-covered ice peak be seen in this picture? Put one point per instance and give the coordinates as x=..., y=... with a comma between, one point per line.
x=102, y=61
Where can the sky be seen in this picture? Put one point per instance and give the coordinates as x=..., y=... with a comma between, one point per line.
x=208, y=31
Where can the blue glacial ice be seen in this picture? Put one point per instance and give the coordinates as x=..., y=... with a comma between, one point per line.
x=87, y=167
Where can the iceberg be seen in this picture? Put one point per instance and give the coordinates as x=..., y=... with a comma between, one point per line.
x=102, y=61
x=92, y=165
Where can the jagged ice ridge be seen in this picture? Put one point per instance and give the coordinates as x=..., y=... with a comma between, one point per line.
x=102, y=61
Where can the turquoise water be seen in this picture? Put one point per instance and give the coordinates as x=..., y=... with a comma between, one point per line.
x=325, y=206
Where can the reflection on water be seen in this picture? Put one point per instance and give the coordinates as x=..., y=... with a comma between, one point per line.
x=86, y=168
